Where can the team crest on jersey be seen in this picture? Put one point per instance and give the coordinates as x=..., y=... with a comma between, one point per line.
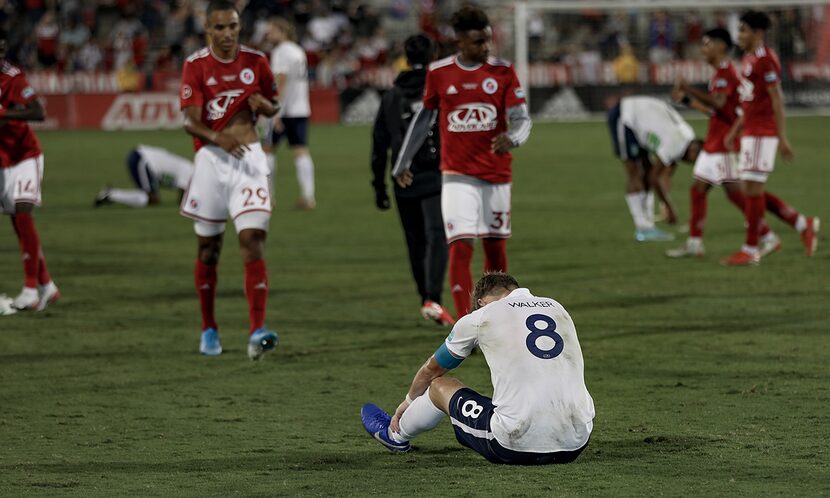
x=476, y=116
x=187, y=92
x=246, y=76
x=490, y=86
x=219, y=105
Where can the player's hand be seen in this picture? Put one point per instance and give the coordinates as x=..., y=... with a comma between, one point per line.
x=231, y=145
x=404, y=179
x=395, y=423
x=501, y=144
x=786, y=149
x=382, y=199
x=729, y=142
x=279, y=126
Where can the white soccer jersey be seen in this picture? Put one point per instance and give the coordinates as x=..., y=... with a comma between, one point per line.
x=530, y=344
x=170, y=169
x=657, y=126
x=289, y=59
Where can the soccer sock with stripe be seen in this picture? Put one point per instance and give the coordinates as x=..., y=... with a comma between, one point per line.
x=305, y=176
x=737, y=198
x=29, y=240
x=698, y=215
x=130, y=197
x=205, y=278
x=461, y=278
x=256, y=290
x=421, y=416
x=754, y=213
x=495, y=255
x=781, y=209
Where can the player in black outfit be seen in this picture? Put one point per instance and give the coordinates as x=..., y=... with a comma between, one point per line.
x=419, y=205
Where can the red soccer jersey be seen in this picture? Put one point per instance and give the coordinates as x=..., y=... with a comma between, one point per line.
x=17, y=140
x=472, y=104
x=760, y=71
x=725, y=81
x=221, y=88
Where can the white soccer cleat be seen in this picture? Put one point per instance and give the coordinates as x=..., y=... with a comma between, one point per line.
x=690, y=249
x=49, y=293
x=6, y=307
x=27, y=300
x=770, y=243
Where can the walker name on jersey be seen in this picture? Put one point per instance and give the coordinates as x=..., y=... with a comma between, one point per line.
x=219, y=105
x=472, y=117
x=531, y=304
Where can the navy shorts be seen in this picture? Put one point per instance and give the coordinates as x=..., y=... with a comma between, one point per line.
x=295, y=130
x=626, y=146
x=470, y=414
x=140, y=172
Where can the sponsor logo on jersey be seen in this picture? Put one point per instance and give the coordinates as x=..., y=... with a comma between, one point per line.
x=229, y=77
x=28, y=92
x=469, y=86
x=519, y=93
x=246, y=76
x=218, y=106
x=476, y=116
x=452, y=90
x=187, y=92
x=212, y=81
x=490, y=86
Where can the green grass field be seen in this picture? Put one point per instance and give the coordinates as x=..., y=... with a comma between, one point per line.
x=707, y=380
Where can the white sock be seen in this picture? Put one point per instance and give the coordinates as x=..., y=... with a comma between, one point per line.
x=649, y=207
x=131, y=197
x=694, y=242
x=636, y=204
x=421, y=416
x=305, y=176
x=753, y=250
x=801, y=223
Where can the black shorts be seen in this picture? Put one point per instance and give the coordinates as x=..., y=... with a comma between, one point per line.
x=625, y=143
x=295, y=130
x=141, y=174
x=470, y=415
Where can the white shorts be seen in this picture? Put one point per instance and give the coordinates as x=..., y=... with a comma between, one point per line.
x=716, y=168
x=758, y=158
x=21, y=183
x=475, y=209
x=224, y=186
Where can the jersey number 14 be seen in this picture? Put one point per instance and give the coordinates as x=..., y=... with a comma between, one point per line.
x=536, y=333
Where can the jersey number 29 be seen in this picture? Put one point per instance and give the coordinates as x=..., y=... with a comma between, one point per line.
x=548, y=331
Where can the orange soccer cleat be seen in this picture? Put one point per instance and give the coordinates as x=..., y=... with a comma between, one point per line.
x=741, y=258
x=809, y=236
x=437, y=313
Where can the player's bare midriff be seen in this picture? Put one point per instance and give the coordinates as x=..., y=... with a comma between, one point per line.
x=241, y=127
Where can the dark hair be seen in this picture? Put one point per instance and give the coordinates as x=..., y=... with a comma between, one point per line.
x=720, y=34
x=418, y=50
x=493, y=283
x=221, y=5
x=469, y=18
x=756, y=19
x=3, y=34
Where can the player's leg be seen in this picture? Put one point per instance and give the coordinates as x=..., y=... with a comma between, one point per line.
x=141, y=176
x=436, y=256
x=698, y=194
x=461, y=208
x=769, y=242
x=806, y=226
x=296, y=131
x=409, y=211
x=495, y=226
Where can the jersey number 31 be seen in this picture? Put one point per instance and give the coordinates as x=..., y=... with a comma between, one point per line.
x=549, y=331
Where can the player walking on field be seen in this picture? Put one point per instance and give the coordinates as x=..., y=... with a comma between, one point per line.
x=541, y=411
x=224, y=87
x=21, y=173
x=482, y=114
x=764, y=134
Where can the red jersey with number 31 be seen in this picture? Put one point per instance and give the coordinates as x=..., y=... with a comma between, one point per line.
x=221, y=88
x=17, y=140
x=472, y=104
x=725, y=81
x=760, y=70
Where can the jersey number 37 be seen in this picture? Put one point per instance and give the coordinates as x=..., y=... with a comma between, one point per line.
x=536, y=333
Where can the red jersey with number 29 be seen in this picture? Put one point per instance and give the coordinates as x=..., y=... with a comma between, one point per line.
x=472, y=104
x=221, y=88
x=17, y=140
x=760, y=70
x=725, y=81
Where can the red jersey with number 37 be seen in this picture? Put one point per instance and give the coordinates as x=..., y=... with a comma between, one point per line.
x=472, y=104
x=17, y=140
x=725, y=81
x=221, y=88
x=760, y=70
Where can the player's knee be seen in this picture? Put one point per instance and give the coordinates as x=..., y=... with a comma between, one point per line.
x=209, y=249
x=252, y=244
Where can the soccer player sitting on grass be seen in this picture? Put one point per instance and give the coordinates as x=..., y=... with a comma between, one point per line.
x=540, y=412
x=150, y=169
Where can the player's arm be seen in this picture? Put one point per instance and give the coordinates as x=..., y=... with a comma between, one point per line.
x=518, y=131
x=32, y=111
x=660, y=179
x=711, y=101
x=732, y=134
x=194, y=126
x=436, y=366
x=381, y=141
x=261, y=105
x=415, y=137
x=776, y=96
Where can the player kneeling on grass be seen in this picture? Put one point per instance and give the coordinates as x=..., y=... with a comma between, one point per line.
x=224, y=87
x=151, y=168
x=540, y=412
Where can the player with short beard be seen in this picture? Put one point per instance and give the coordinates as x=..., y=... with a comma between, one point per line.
x=482, y=114
x=21, y=173
x=224, y=87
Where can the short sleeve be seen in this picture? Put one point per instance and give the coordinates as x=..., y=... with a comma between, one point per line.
x=430, y=92
x=191, y=90
x=515, y=94
x=768, y=71
x=21, y=92
x=464, y=336
x=267, y=85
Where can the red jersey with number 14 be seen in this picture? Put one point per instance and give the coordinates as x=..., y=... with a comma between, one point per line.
x=760, y=70
x=472, y=104
x=221, y=88
x=17, y=140
x=725, y=81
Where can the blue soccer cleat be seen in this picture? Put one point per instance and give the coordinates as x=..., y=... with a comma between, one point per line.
x=376, y=422
x=653, y=235
x=209, y=345
x=260, y=342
